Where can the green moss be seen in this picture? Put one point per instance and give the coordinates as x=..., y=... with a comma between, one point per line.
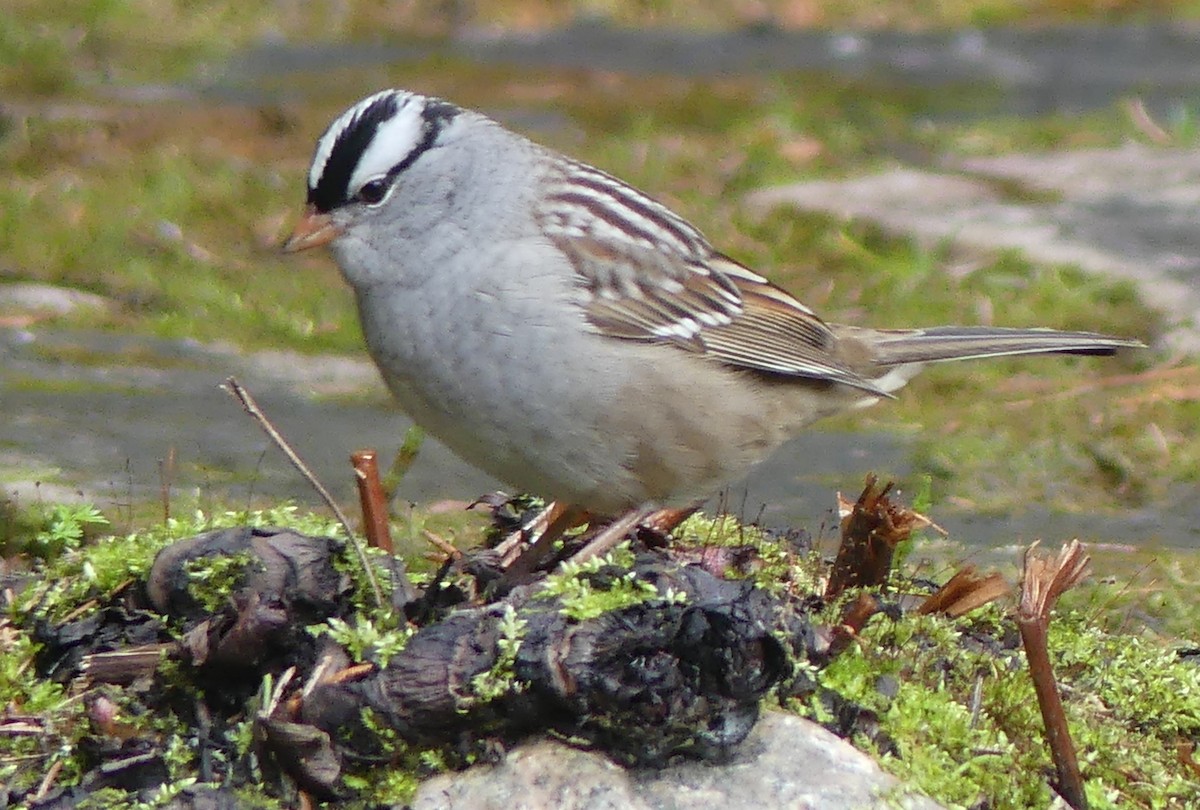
x=501, y=678
x=370, y=640
x=214, y=578
x=601, y=585
x=774, y=566
x=1130, y=702
x=99, y=568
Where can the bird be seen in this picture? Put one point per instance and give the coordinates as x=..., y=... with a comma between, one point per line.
x=568, y=334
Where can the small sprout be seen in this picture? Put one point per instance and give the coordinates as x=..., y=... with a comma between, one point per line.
x=574, y=585
x=674, y=597
x=65, y=529
x=365, y=641
x=213, y=579
x=501, y=679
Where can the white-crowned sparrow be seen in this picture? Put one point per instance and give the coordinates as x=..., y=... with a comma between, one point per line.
x=569, y=335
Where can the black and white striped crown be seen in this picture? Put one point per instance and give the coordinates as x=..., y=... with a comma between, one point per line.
x=377, y=138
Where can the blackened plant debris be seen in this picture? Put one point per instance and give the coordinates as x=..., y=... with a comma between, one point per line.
x=636, y=653
x=646, y=682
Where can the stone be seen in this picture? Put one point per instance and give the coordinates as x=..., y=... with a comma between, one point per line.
x=1126, y=213
x=786, y=762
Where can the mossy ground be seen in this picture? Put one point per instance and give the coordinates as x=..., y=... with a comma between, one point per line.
x=955, y=707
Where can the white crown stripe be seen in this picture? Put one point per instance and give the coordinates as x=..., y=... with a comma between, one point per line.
x=394, y=139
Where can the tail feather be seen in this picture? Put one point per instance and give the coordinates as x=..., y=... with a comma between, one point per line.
x=939, y=343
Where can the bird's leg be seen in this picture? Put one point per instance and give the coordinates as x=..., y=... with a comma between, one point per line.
x=613, y=534
x=659, y=521
x=665, y=521
x=558, y=519
x=511, y=546
x=520, y=561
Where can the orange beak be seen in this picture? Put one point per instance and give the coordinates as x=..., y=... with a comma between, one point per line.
x=313, y=230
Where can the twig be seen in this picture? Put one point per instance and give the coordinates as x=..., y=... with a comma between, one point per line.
x=562, y=518
x=370, y=495
x=48, y=780
x=166, y=478
x=276, y=696
x=511, y=546
x=444, y=546
x=239, y=393
x=1140, y=117
x=1043, y=581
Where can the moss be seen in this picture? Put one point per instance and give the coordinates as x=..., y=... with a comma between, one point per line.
x=367, y=640
x=601, y=585
x=80, y=574
x=1131, y=701
x=212, y=579
x=774, y=564
x=501, y=679
x=959, y=713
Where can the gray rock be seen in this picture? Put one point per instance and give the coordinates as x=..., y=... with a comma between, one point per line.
x=786, y=762
x=1126, y=213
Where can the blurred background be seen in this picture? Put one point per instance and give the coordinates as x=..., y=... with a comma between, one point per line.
x=893, y=164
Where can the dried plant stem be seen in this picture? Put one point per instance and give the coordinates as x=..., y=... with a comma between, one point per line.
x=872, y=527
x=1043, y=581
x=238, y=392
x=854, y=619
x=49, y=779
x=967, y=590
x=371, y=497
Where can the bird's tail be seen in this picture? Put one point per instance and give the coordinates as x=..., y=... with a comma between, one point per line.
x=901, y=353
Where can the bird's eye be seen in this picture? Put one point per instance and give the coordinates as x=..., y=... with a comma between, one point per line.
x=373, y=191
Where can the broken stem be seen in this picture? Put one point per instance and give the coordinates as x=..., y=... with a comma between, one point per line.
x=238, y=392
x=372, y=499
x=854, y=619
x=1043, y=581
x=872, y=528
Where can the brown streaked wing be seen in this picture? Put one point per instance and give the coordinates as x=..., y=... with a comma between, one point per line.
x=650, y=276
x=776, y=333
